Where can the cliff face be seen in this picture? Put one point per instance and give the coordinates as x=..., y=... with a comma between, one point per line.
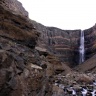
x=29, y=51
x=16, y=27
x=62, y=43
x=90, y=51
x=65, y=43
x=14, y=6
x=25, y=70
x=90, y=41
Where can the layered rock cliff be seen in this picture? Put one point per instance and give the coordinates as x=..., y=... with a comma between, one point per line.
x=24, y=69
x=65, y=43
x=90, y=51
x=29, y=51
x=62, y=43
x=90, y=41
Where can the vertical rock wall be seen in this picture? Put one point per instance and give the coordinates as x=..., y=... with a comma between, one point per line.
x=90, y=42
x=62, y=43
x=65, y=43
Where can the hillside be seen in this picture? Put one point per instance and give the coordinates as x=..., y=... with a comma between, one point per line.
x=36, y=60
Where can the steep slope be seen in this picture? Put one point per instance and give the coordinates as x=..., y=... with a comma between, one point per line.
x=24, y=69
x=17, y=28
x=88, y=66
x=29, y=64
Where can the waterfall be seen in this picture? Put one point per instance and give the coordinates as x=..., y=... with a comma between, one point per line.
x=81, y=48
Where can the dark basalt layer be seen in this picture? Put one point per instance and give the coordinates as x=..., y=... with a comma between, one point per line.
x=90, y=42
x=63, y=43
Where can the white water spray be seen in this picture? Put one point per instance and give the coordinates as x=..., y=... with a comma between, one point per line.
x=81, y=48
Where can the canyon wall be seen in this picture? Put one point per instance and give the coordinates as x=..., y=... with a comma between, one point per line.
x=29, y=51
x=24, y=70
x=62, y=43
x=90, y=42
x=65, y=43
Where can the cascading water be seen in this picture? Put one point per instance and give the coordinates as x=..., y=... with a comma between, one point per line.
x=81, y=48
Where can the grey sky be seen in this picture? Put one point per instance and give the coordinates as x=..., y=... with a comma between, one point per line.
x=65, y=14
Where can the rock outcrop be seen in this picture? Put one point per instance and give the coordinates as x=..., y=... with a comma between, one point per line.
x=25, y=70
x=14, y=6
x=74, y=84
x=29, y=51
x=17, y=28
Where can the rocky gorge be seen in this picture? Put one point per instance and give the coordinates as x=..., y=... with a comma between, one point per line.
x=65, y=43
x=36, y=60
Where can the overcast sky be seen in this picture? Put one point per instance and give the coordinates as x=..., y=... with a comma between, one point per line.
x=65, y=14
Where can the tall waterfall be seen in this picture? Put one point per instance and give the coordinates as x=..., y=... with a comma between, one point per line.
x=81, y=48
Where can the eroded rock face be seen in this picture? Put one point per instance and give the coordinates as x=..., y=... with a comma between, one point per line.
x=24, y=69
x=90, y=42
x=65, y=43
x=14, y=6
x=24, y=72
x=17, y=28
x=27, y=69
x=62, y=43
x=16, y=70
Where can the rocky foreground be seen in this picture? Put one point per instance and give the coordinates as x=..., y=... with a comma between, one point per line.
x=75, y=84
x=30, y=67
x=35, y=72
